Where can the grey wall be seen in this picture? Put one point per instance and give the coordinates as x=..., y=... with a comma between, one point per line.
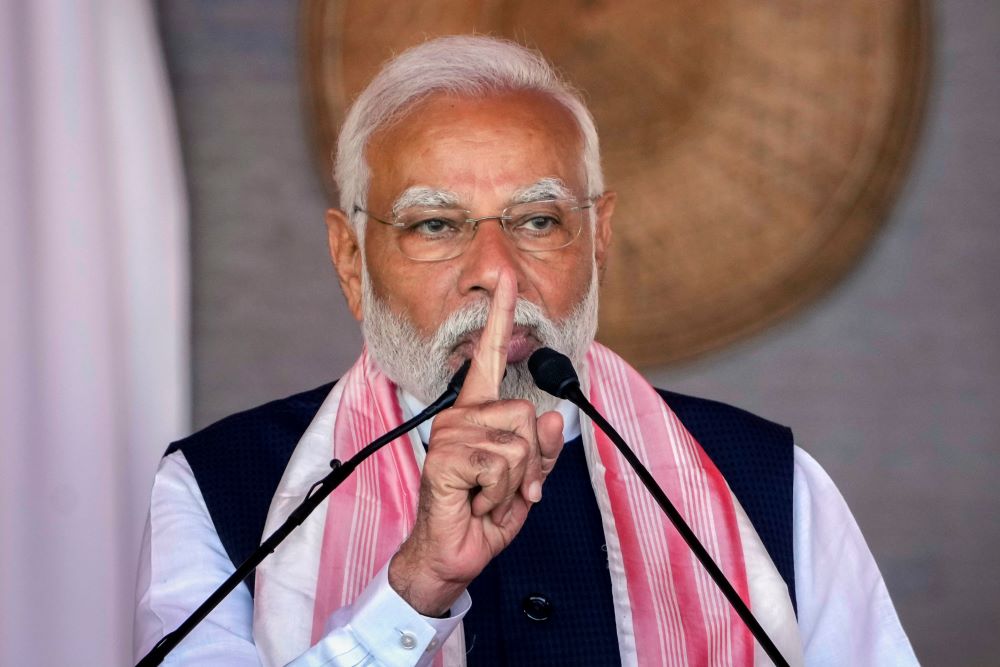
x=891, y=381
x=268, y=316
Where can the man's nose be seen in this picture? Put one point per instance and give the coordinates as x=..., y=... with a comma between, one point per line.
x=491, y=252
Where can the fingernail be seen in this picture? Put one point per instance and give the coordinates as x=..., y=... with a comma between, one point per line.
x=535, y=491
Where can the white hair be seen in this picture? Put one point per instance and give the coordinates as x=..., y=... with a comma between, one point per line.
x=461, y=65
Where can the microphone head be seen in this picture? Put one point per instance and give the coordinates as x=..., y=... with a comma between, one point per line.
x=553, y=372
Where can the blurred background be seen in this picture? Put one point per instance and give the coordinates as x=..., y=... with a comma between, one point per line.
x=164, y=264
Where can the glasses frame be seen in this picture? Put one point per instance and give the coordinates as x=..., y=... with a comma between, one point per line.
x=503, y=218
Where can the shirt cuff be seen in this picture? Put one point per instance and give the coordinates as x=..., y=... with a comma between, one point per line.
x=393, y=631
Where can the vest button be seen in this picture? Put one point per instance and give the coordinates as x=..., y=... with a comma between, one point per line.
x=537, y=607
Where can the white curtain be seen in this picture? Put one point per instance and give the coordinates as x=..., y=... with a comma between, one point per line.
x=94, y=317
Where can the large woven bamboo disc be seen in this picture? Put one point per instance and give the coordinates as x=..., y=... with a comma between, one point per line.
x=755, y=146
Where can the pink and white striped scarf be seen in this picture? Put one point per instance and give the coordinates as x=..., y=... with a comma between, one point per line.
x=668, y=611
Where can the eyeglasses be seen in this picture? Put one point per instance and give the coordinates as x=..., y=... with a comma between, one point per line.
x=437, y=234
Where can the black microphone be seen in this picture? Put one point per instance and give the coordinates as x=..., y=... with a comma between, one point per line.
x=553, y=372
x=316, y=494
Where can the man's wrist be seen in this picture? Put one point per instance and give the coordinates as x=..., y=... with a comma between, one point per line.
x=429, y=596
x=387, y=627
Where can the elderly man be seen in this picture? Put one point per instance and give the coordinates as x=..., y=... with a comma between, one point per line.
x=474, y=224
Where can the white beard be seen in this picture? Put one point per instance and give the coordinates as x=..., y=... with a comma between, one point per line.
x=421, y=365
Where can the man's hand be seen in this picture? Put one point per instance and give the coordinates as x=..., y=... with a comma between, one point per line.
x=486, y=462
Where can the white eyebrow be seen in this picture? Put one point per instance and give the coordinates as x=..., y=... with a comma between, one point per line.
x=425, y=197
x=428, y=197
x=546, y=188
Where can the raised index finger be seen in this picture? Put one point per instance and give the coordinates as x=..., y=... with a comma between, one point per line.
x=489, y=360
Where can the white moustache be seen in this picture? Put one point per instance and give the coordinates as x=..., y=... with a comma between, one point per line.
x=465, y=323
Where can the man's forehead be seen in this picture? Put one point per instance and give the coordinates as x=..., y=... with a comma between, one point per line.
x=549, y=187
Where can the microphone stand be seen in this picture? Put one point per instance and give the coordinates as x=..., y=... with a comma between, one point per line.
x=554, y=373
x=316, y=495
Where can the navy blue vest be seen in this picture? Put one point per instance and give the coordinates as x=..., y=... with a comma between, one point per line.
x=546, y=599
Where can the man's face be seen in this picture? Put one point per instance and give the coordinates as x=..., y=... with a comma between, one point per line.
x=485, y=154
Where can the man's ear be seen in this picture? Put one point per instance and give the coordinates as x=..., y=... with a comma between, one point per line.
x=346, y=255
x=602, y=230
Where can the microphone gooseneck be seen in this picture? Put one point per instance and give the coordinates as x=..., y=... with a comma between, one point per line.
x=316, y=495
x=553, y=372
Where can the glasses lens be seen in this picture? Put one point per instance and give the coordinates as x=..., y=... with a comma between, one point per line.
x=544, y=225
x=432, y=234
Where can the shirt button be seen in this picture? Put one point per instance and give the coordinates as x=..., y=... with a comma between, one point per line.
x=407, y=640
x=537, y=607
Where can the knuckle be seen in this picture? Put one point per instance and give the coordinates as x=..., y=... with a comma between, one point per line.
x=493, y=481
x=524, y=404
x=522, y=408
x=525, y=451
x=480, y=459
x=501, y=436
x=449, y=419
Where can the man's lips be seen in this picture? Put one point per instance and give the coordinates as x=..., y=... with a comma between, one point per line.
x=522, y=343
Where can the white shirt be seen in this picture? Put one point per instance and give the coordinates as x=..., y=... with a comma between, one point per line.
x=844, y=611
